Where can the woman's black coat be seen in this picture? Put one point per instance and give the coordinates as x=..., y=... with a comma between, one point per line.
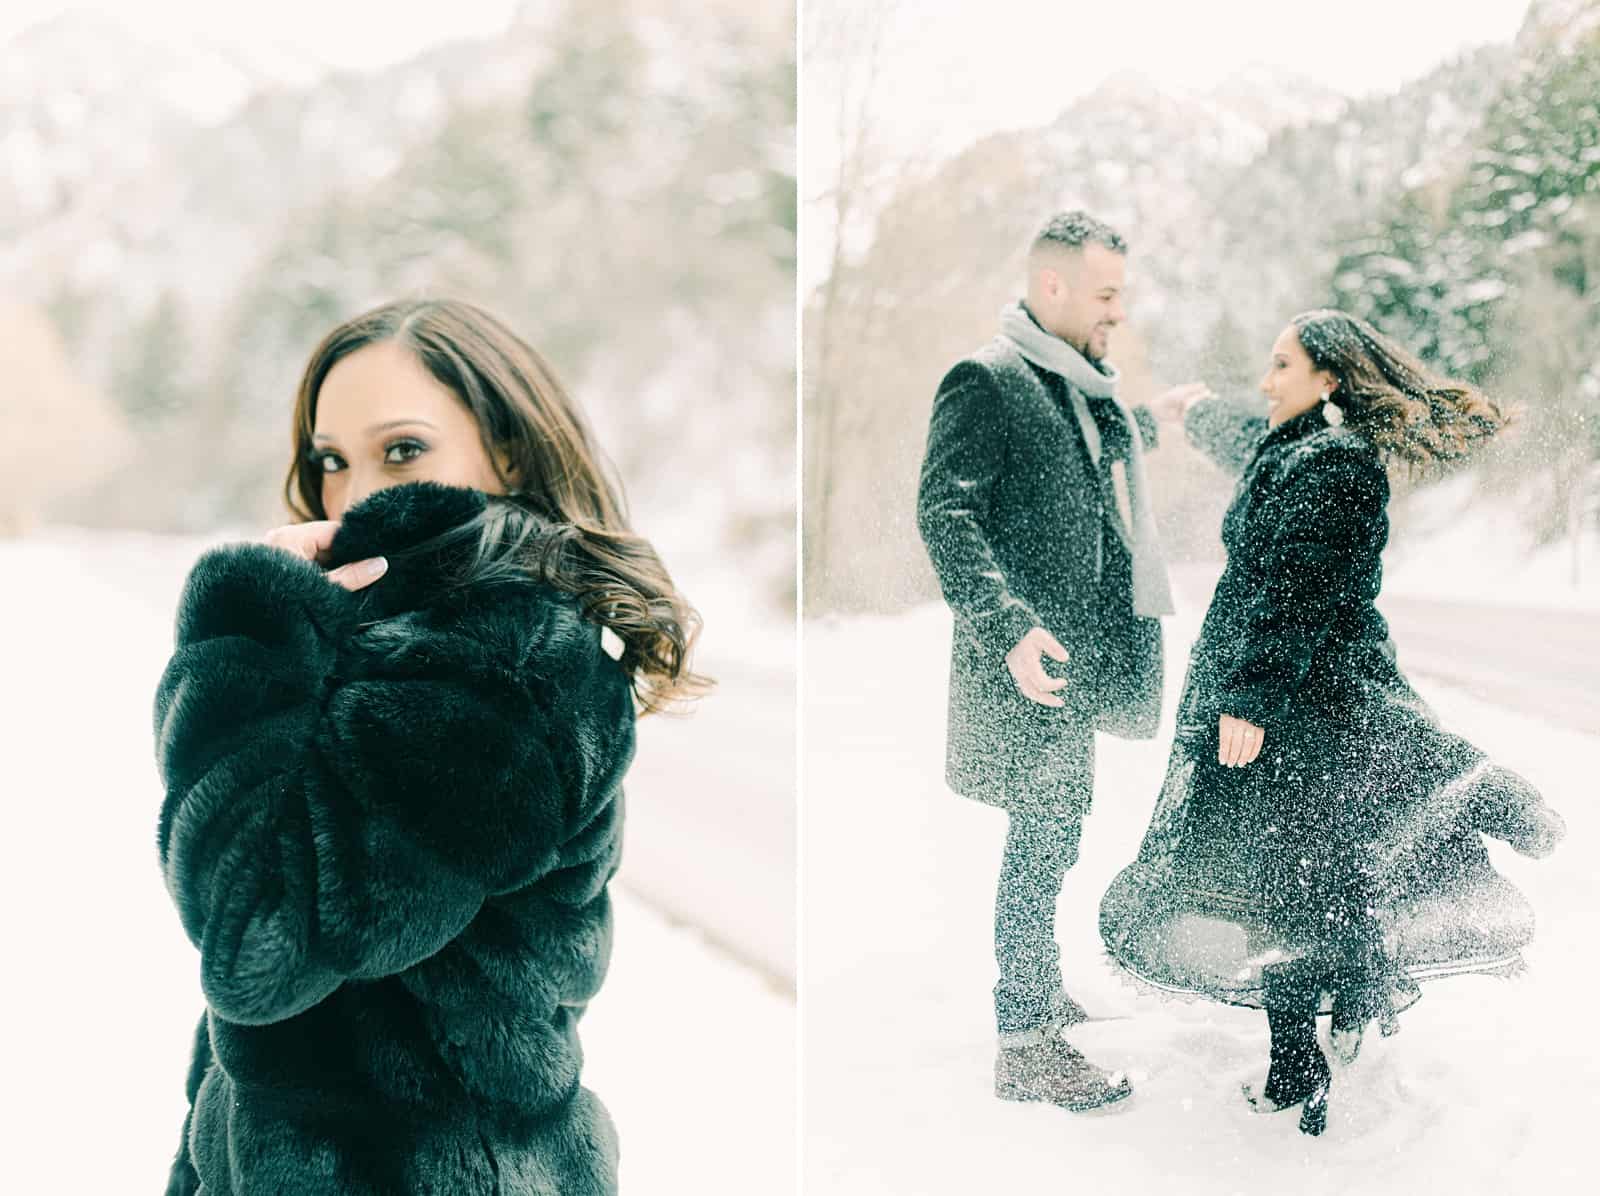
x=391, y=816
x=1353, y=840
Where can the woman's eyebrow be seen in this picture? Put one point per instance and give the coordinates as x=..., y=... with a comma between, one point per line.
x=388, y=423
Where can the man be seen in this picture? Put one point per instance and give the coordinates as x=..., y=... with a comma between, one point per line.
x=1020, y=513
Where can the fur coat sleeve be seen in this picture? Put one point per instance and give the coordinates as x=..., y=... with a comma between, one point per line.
x=1226, y=430
x=342, y=799
x=1327, y=528
x=182, y=1179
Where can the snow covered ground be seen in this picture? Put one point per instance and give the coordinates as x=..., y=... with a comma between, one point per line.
x=1489, y=1087
x=692, y=1052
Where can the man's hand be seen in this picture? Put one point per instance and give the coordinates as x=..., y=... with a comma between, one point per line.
x=1238, y=742
x=1027, y=670
x=1174, y=404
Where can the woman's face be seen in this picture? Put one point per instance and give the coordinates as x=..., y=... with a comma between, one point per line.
x=382, y=419
x=1292, y=387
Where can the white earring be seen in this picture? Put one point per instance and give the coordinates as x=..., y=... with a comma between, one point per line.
x=1331, y=411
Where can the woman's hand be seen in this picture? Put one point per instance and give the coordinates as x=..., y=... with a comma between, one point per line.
x=1238, y=742
x=310, y=542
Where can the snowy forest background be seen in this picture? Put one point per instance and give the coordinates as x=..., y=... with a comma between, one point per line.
x=180, y=224
x=1460, y=212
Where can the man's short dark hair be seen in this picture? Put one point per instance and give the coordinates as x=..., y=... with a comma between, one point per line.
x=1074, y=229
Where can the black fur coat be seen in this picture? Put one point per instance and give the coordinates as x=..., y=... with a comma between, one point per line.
x=390, y=819
x=1354, y=842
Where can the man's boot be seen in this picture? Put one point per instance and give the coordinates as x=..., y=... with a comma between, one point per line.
x=1067, y=1012
x=1051, y=1070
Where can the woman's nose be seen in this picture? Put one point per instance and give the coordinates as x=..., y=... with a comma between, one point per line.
x=360, y=487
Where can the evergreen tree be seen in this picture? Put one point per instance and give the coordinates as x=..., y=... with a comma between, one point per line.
x=151, y=380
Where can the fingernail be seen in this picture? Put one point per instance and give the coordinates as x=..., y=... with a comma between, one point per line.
x=376, y=567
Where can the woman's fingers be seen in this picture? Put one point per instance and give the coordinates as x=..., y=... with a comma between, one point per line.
x=359, y=574
x=1257, y=737
x=1238, y=742
x=306, y=540
x=311, y=541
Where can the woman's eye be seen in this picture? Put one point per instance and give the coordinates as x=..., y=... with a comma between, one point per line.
x=402, y=451
x=329, y=462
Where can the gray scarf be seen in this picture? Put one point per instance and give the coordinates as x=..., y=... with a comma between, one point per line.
x=1152, y=595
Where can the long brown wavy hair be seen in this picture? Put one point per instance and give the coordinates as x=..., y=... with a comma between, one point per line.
x=1385, y=392
x=563, y=520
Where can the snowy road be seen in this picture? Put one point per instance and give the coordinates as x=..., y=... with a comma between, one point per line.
x=102, y=991
x=1487, y=1089
x=1543, y=662
x=711, y=822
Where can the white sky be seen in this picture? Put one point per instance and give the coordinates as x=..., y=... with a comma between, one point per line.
x=955, y=70
x=353, y=34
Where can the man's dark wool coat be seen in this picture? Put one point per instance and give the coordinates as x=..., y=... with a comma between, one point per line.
x=391, y=816
x=1018, y=521
x=1353, y=841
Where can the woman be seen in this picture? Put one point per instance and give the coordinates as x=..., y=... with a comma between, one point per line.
x=1317, y=836
x=393, y=745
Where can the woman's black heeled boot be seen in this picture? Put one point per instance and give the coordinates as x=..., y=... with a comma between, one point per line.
x=1298, y=1073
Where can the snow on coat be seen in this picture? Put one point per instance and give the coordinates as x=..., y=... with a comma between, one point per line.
x=390, y=820
x=1354, y=839
x=1016, y=518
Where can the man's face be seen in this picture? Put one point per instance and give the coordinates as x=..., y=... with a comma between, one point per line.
x=1085, y=298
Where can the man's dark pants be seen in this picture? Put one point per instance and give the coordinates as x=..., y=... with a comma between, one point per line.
x=1041, y=845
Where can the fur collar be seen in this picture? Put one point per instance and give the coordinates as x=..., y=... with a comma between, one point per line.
x=398, y=523
x=1297, y=427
